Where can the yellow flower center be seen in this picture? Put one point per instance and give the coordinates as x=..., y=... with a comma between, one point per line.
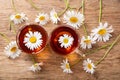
x=35, y=65
x=42, y=18
x=65, y=40
x=89, y=66
x=67, y=66
x=73, y=19
x=102, y=31
x=17, y=16
x=55, y=15
x=87, y=41
x=33, y=39
x=13, y=49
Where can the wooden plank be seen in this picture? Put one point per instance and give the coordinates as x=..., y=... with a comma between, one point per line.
x=18, y=69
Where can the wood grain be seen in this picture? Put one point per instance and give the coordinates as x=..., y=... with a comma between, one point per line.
x=17, y=69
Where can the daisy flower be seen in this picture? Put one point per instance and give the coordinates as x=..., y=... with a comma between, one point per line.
x=102, y=32
x=73, y=18
x=18, y=18
x=65, y=40
x=88, y=66
x=66, y=67
x=33, y=40
x=36, y=67
x=42, y=18
x=54, y=17
x=86, y=42
x=12, y=50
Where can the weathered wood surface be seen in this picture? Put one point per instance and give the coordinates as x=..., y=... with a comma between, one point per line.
x=17, y=69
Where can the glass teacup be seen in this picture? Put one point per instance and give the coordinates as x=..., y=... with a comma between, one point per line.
x=60, y=32
x=28, y=33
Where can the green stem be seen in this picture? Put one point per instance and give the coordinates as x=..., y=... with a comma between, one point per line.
x=13, y=5
x=100, y=11
x=33, y=5
x=106, y=53
x=5, y=37
x=95, y=50
x=85, y=30
x=83, y=6
x=83, y=11
x=33, y=59
x=12, y=27
x=66, y=7
x=79, y=8
x=91, y=52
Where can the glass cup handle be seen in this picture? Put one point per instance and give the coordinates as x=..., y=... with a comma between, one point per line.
x=79, y=52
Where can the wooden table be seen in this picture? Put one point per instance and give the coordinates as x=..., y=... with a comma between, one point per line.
x=17, y=69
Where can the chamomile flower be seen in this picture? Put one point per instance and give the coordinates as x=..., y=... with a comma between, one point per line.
x=86, y=42
x=42, y=18
x=73, y=18
x=12, y=50
x=66, y=67
x=18, y=18
x=88, y=66
x=102, y=32
x=54, y=17
x=36, y=67
x=33, y=40
x=65, y=40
